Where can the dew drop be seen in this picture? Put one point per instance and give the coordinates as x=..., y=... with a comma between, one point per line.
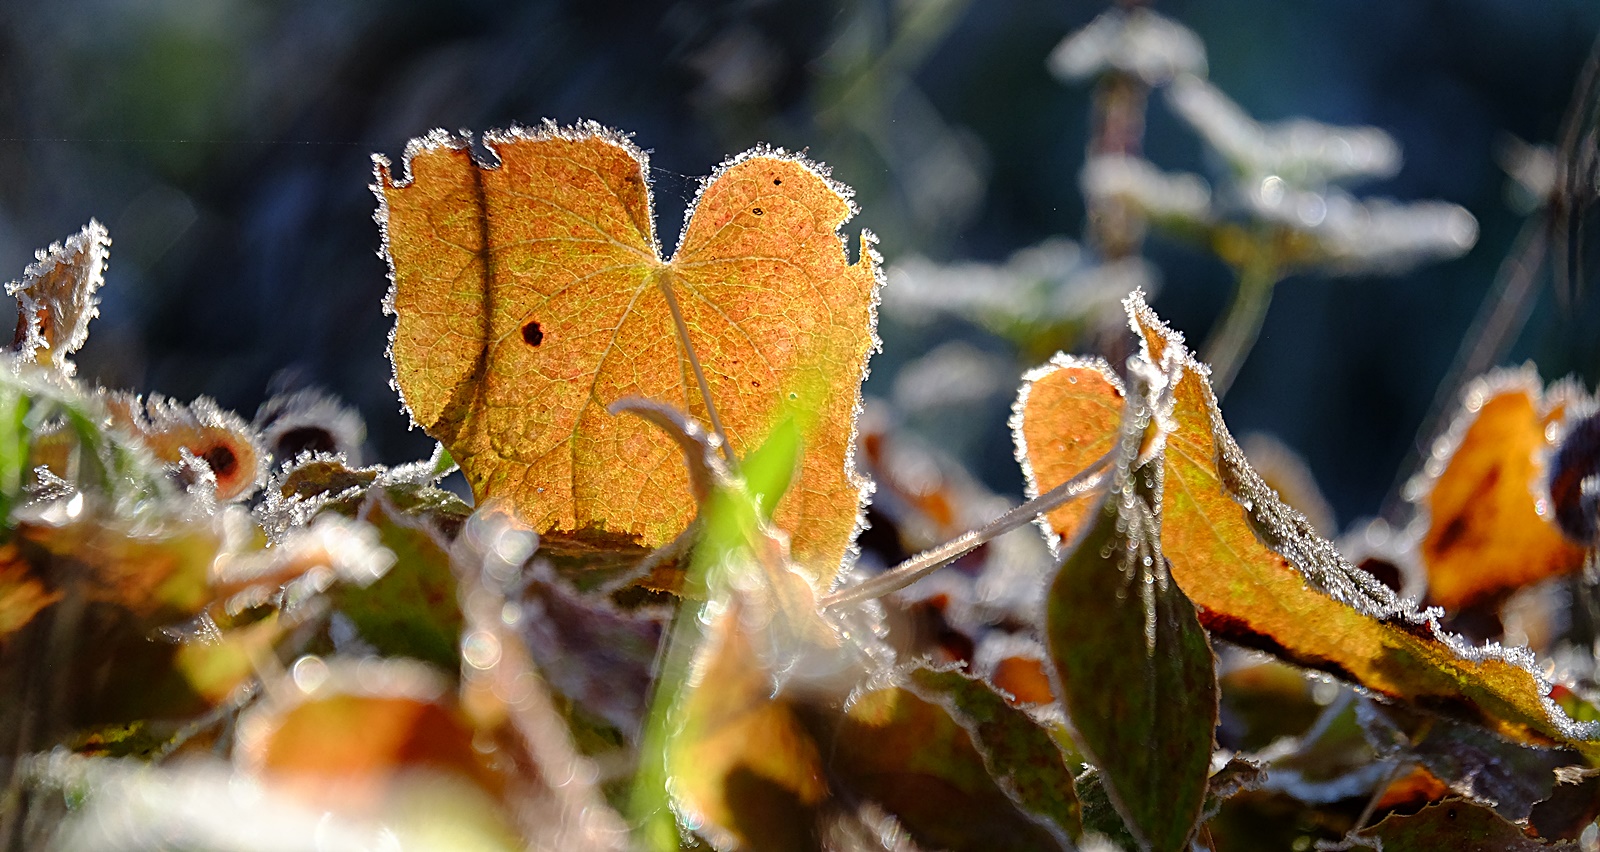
x=309, y=673
x=480, y=649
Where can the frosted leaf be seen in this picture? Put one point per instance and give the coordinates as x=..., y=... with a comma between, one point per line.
x=1534, y=172
x=310, y=421
x=1356, y=237
x=306, y=562
x=1303, y=152
x=1047, y=283
x=1321, y=565
x=1159, y=195
x=1139, y=42
x=57, y=297
x=952, y=374
x=218, y=438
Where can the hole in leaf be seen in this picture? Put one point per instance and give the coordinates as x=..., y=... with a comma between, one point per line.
x=777, y=181
x=532, y=334
x=756, y=210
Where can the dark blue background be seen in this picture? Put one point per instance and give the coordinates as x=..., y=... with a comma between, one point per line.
x=225, y=143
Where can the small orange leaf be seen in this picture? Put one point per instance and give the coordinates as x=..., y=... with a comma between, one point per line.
x=341, y=733
x=1065, y=417
x=1263, y=578
x=229, y=447
x=23, y=594
x=532, y=294
x=1486, y=535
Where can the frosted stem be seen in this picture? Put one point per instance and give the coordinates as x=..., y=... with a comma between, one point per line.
x=930, y=560
x=1240, y=327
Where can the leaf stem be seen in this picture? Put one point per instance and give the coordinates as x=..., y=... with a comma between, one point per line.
x=664, y=280
x=1225, y=351
x=930, y=560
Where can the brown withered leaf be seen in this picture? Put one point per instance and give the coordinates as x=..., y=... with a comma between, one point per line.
x=56, y=297
x=1456, y=825
x=1263, y=578
x=364, y=737
x=1486, y=534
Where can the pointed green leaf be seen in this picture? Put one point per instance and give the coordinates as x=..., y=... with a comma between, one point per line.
x=1134, y=668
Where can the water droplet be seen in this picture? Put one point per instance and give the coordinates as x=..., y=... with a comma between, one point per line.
x=480, y=649
x=309, y=673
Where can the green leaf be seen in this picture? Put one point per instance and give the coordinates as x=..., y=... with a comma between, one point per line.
x=411, y=611
x=1134, y=668
x=1021, y=754
x=916, y=759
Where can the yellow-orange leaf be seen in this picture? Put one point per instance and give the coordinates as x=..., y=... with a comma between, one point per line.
x=1485, y=535
x=532, y=294
x=342, y=738
x=1065, y=418
x=230, y=448
x=1263, y=578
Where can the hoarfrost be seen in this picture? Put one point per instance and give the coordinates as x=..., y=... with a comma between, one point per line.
x=1139, y=42
x=1048, y=282
x=1304, y=152
x=1159, y=195
x=1289, y=534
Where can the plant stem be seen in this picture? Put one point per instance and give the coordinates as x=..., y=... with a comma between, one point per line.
x=1241, y=325
x=930, y=560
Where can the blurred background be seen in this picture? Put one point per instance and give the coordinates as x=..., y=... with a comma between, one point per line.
x=226, y=145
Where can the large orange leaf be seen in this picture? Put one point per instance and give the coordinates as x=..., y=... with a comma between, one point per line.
x=532, y=294
x=1263, y=578
x=1485, y=533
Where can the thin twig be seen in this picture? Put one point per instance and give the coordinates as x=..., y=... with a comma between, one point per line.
x=1241, y=325
x=1500, y=319
x=928, y=561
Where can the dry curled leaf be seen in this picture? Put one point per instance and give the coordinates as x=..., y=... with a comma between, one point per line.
x=1263, y=578
x=531, y=294
x=172, y=432
x=1487, y=531
x=56, y=297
